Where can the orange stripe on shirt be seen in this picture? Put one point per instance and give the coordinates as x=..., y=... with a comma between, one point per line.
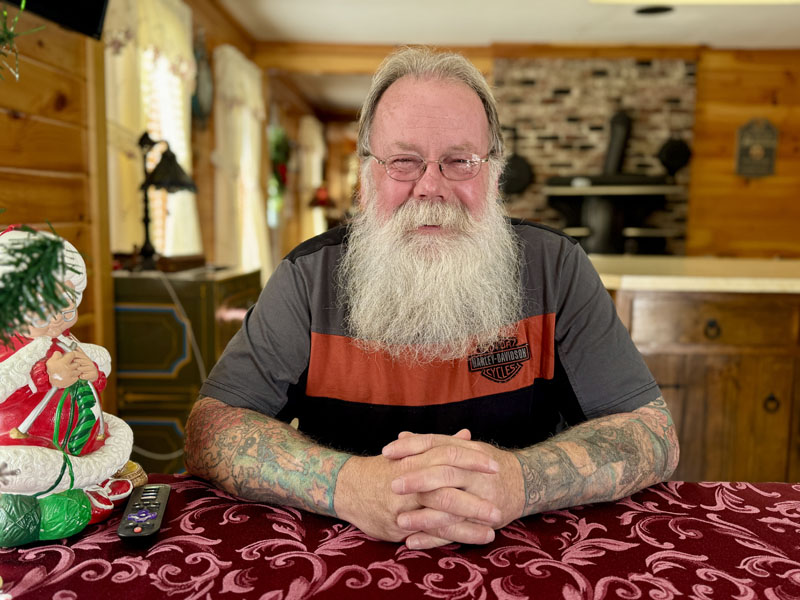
x=339, y=369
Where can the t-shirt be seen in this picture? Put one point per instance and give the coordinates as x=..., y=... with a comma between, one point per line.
x=570, y=358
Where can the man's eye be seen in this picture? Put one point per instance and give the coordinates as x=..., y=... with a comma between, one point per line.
x=459, y=161
x=404, y=162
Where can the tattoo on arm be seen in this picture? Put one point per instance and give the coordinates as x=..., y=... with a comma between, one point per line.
x=259, y=458
x=599, y=460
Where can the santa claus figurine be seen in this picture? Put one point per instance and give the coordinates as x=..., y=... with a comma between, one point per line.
x=58, y=451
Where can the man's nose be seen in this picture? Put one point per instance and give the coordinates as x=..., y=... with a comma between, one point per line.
x=432, y=185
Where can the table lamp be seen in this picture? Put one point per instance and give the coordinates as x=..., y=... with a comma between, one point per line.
x=167, y=175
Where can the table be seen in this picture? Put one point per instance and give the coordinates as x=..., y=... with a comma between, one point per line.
x=688, y=540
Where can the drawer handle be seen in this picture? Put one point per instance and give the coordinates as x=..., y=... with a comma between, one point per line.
x=712, y=329
x=771, y=404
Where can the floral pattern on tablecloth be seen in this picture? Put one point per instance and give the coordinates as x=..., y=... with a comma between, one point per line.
x=674, y=540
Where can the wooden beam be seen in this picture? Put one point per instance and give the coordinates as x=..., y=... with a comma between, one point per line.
x=595, y=51
x=100, y=258
x=343, y=59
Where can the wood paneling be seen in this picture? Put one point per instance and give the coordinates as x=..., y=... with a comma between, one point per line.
x=59, y=96
x=62, y=49
x=58, y=196
x=32, y=142
x=731, y=215
x=53, y=159
x=344, y=59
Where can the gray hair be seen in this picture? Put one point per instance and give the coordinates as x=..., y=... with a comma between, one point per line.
x=422, y=62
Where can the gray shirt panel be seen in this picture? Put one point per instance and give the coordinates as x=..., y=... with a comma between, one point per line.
x=270, y=352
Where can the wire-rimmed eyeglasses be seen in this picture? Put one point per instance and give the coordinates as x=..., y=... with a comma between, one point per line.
x=38, y=321
x=410, y=167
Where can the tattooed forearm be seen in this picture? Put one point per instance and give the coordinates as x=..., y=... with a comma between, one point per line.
x=602, y=459
x=258, y=458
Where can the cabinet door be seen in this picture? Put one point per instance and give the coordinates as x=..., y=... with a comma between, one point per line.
x=732, y=413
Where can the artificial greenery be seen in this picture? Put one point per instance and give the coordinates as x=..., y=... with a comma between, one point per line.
x=30, y=283
x=8, y=35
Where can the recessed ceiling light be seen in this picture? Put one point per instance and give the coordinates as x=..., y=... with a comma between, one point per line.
x=653, y=10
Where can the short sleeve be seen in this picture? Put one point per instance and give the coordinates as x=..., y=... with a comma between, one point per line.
x=605, y=369
x=271, y=350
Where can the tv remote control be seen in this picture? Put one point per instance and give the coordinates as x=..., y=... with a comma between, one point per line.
x=144, y=511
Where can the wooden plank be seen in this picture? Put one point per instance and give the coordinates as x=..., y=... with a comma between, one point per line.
x=31, y=142
x=575, y=51
x=54, y=45
x=344, y=59
x=46, y=92
x=30, y=196
x=729, y=214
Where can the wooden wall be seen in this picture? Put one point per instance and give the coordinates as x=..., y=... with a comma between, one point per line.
x=730, y=215
x=53, y=158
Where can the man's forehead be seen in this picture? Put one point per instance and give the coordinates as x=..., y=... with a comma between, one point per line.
x=436, y=106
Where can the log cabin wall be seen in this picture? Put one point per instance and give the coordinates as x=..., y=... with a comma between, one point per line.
x=53, y=159
x=731, y=215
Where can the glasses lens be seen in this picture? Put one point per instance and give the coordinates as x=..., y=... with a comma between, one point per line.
x=35, y=320
x=464, y=166
x=404, y=167
x=69, y=314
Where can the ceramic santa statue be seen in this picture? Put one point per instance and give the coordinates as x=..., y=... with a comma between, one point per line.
x=59, y=451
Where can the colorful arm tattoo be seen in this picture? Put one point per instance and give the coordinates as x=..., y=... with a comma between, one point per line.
x=602, y=459
x=259, y=458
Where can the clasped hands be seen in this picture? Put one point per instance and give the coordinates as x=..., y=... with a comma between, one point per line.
x=431, y=490
x=65, y=369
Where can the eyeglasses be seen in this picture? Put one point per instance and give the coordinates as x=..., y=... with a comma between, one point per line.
x=410, y=167
x=36, y=321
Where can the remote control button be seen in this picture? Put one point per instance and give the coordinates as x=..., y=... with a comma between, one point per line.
x=137, y=530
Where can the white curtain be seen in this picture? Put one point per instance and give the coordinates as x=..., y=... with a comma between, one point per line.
x=242, y=236
x=150, y=68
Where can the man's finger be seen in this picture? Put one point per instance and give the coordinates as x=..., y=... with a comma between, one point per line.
x=409, y=444
x=449, y=501
x=462, y=434
x=445, y=466
x=464, y=532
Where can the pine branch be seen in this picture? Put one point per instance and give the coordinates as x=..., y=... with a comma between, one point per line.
x=33, y=284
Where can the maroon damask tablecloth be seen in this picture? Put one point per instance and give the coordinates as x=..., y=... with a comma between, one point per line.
x=674, y=540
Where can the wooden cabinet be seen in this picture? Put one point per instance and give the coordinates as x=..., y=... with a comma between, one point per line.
x=171, y=328
x=727, y=364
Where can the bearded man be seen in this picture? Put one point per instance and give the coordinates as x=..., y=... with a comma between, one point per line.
x=451, y=370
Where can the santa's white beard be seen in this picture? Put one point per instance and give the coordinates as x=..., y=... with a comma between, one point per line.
x=430, y=295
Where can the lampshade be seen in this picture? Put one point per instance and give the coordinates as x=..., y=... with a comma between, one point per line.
x=169, y=175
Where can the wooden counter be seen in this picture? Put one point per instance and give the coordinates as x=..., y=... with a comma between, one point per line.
x=722, y=338
x=698, y=274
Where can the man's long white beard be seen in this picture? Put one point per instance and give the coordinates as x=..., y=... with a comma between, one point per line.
x=440, y=295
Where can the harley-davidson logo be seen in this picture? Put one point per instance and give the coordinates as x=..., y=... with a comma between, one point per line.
x=502, y=362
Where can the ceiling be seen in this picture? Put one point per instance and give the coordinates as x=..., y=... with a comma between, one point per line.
x=483, y=23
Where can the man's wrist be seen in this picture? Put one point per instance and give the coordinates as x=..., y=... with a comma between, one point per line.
x=346, y=500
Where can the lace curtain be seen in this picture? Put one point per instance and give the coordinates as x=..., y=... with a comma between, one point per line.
x=242, y=237
x=150, y=69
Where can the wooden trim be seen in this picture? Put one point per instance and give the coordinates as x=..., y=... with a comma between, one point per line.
x=219, y=27
x=341, y=59
x=102, y=285
x=595, y=51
